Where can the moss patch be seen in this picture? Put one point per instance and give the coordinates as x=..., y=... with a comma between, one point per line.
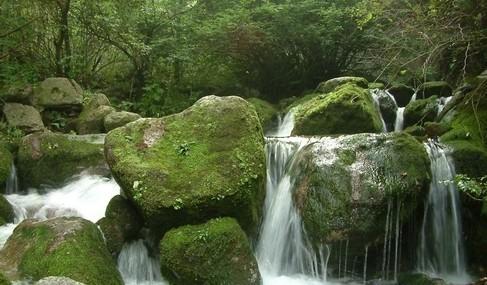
x=6, y=211
x=6, y=161
x=421, y=111
x=49, y=158
x=4, y=280
x=205, y=162
x=347, y=110
x=265, y=110
x=70, y=247
x=213, y=253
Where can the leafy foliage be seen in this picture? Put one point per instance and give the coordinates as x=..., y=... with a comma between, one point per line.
x=475, y=188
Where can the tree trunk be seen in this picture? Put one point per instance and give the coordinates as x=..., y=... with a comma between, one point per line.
x=62, y=44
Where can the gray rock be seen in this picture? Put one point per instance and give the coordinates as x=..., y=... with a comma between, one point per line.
x=23, y=117
x=119, y=119
x=58, y=93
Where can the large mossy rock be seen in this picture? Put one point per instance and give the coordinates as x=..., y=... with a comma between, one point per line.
x=6, y=162
x=204, y=162
x=58, y=93
x=348, y=110
x=121, y=224
x=434, y=88
x=24, y=117
x=213, y=253
x=6, y=211
x=265, y=110
x=55, y=280
x=402, y=93
x=50, y=158
x=421, y=111
x=331, y=84
x=70, y=247
x=345, y=183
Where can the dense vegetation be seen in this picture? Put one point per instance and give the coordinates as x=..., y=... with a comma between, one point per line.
x=159, y=56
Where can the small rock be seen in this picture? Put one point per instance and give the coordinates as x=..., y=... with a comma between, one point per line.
x=24, y=117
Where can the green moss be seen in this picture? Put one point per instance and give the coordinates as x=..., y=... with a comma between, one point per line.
x=467, y=135
x=4, y=280
x=415, y=278
x=265, y=110
x=332, y=84
x=70, y=247
x=421, y=111
x=49, y=158
x=347, y=110
x=205, y=162
x=216, y=252
x=434, y=88
x=376, y=85
x=6, y=211
x=6, y=161
x=347, y=199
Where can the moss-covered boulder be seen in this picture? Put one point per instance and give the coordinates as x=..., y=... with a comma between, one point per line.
x=58, y=93
x=213, y=253
x=96, y=100
x=345, y=183
x=119, y=119
x=18, y=94
x=331, y=84
x=91, y=120
x=70, y=247
x=402, y=93
x=121, y=224
x=204, y=162
x=6, y=162
x=4, y=280
x=50, y=158
x=6, y=211
x=24, y=117
x=376, y=85
x=421, y=111
x=434, y=88
x=265, y=110
x=348, y=110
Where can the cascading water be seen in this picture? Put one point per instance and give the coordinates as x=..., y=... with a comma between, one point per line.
x=399, y=123
x=12, y=185
x=86, y=197
x=137, y=267
x=441, y=252
x=376, y=93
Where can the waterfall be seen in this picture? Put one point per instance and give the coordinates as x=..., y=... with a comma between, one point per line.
x=442, y=102
x=283, y=252
x=137, y=267
x=399, y=123
x=285, y=126
x=12, y=185
x=85, y=196
x=441, y=252
x=376, y=93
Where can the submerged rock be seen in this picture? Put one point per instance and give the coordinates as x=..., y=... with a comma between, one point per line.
x=71, y=247
x=119, y=119
x=24, y=117
x=50, y=158
x=216, y=252
x=332, y=84
x=58, y=93
x=205, y=162
x=421, y=111
x=434, y=88
x=121, y=224
x=349, y=109
x=345, y=184
x=418, y=279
